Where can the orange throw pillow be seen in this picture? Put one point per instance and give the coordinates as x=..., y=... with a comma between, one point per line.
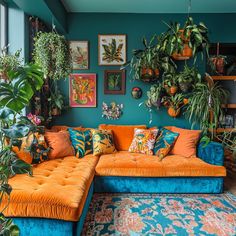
x=60, y=144
x=186, y=143
x=122, y=134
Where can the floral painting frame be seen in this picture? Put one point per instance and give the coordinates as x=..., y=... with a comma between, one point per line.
x=114, y=82
x=83, y=90
x=112, y=49
x=80, y=54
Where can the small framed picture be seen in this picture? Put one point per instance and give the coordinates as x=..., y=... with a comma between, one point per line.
x=114, y=82
x=83, y=90
x=80, y=54
x=111, y=49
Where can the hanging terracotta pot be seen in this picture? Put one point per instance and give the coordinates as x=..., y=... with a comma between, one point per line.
x=173, y=112
x=187, y=52
x=173, y=90
x=219, y=63
x=149, y=75
x=185, y=101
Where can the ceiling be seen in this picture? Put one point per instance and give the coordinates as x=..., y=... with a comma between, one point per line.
x=150, y=6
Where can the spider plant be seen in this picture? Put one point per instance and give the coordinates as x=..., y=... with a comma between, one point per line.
x=204, y=105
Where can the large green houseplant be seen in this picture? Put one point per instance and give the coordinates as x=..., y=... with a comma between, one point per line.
x=16, y=90
x=147, y=64
x=205, y=104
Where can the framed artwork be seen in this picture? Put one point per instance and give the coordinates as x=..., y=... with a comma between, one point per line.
x=111, y=49
x=83, y=90
x=80, y=54
x=114, y=82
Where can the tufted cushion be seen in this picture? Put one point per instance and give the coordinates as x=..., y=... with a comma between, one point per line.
x=140, y=165
x=58, y=189
x=123, y=134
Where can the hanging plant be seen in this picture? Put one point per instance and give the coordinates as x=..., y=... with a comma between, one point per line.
x=52, y=53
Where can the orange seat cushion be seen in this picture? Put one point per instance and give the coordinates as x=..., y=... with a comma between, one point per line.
x=186, y=143
x=141, y=165
x=60, y=144
x=123, y=134
x=57, y=190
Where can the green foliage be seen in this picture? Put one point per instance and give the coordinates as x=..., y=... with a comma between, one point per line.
x=52, y=53
x=114, y=80
x=112, y=51
x=175, y=101
x=154, y=96
x=205, y=104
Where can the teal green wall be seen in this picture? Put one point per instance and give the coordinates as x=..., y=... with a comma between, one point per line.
x=87, y=26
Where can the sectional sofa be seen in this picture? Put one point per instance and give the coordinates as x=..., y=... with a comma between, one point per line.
x=56, y=199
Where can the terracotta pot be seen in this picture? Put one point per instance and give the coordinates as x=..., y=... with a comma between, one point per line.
x=219, y=63
x=173, y=112
x=186, y=54
x=55, y=112
x=156, y=72
x=185, y=101
x=173, y=90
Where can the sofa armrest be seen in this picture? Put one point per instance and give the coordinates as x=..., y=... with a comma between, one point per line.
x=212, y=153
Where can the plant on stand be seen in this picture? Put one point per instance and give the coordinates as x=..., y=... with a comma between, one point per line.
x=17, y=87
x=170, y=83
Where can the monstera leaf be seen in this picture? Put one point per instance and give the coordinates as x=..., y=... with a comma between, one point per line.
x=16, y=94
x=17, y=131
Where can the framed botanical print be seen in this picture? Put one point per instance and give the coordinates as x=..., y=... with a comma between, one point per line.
x=111, y=49
x=80, y=54
x=114, y=82
x=83, y=90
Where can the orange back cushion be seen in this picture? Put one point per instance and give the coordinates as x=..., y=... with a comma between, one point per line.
x=186, y=143
x=122, y=134
x=57, y=128
x=60, y=144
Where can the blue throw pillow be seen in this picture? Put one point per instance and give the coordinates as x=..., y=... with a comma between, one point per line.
x=82, y=141
x=164, y=142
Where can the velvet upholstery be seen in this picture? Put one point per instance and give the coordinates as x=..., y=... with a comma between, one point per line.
x=124, y=163
x=57, y=190
x=158, y=185
x=52, y=227
x=213, y=153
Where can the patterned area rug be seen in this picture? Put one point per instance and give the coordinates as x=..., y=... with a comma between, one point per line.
x=165, y=214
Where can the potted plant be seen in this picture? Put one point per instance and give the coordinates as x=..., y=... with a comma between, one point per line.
x=187, y=78
x=204, y=106
x=154, y=96
x=174, y=103
x=52, y=53
x=16, y=91
x=170, y=83
x=146, y=64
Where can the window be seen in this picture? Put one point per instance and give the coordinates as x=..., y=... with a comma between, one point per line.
x=3, y=25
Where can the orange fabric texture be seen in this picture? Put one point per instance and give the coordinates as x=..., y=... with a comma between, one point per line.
x=123, y=134
x=57, y=190
x=22, y=153
x=140, y=165
x=60, y=144
x=186, y=143
x=57, y=128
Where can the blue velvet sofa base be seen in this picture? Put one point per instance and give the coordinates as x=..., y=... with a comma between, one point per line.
x=51, y=227
x=118, y=184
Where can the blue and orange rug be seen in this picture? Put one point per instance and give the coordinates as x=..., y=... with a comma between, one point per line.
x=165, y=214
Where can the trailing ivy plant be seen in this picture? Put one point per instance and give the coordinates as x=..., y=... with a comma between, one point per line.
x=52, y=53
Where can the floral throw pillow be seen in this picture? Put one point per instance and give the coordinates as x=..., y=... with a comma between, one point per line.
x=164, y=142
x=81, y=141
x=103, y=142
x=143, y=141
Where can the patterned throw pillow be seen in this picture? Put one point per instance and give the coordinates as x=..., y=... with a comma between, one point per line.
x=103, y=142
x=143, y=141
x=33, y=150
x=164, y=142
x=81, y=141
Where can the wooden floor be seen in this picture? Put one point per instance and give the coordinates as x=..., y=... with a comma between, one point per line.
x=230, y=183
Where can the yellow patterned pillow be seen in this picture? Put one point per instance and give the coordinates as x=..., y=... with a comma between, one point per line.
x=103, y=142
x=143, y=141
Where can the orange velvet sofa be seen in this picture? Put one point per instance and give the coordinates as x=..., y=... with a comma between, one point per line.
x=60, y=190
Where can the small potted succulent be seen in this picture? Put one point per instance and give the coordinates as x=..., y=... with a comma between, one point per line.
x=187, y=78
